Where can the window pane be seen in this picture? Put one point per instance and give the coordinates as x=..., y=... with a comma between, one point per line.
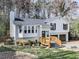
x=50, y=24
x=53, y=26
x=43, y=33
x=20, y=29
x=28, y=29
x=47, y=32
x=32, y=29
x=36, y=29
x=65, y=26
x=25, y=29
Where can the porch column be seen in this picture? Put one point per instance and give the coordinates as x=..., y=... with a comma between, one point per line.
x=40, y=31
x=16, y=34
x=34, y=28
x=23, y=28
x=58, y=36
x=67, y=37
x=27, y=29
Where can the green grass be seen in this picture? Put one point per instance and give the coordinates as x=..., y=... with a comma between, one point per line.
x=4, y=49
x=44, y=53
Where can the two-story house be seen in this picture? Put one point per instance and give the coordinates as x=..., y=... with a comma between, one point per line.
x=33, y=29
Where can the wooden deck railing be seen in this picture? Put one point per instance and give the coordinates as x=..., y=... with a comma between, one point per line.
x=47, y=41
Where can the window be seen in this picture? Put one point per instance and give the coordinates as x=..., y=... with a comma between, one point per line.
x=47, y=32
x=45, y=22
x=25, y=29
x=36, y=29
x=28, y=29
x=65, y=26
x=20, y=29
x=53, y=26
x=32, y=29
x=43, y=33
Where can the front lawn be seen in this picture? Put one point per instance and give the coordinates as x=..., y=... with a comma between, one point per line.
x=5, y=49
x=44, y=53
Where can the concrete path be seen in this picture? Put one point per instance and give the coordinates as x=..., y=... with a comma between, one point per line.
x=73, y=45
x=14, y=55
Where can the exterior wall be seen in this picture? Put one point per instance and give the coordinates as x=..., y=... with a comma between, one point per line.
x=12, y=25
x=59, y=26
x=26, y=35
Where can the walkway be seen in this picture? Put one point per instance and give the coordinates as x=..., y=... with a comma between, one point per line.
x=14, y=55
x=73, y=45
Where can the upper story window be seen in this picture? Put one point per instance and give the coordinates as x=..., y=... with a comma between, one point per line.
x=20, y=29
x=53, y=26
x=65, y=26
x=25, y=29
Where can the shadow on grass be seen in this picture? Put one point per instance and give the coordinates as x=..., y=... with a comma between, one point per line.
x=4, y=49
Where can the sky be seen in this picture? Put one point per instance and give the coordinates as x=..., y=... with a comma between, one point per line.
x=77, y=1
x=76, y=13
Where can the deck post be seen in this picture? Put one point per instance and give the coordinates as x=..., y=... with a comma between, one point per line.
x=67, y=37
x=58, y=36
x=16, y=34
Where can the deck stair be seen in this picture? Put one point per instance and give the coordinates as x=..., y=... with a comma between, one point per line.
x=58, y=41
x=47, y=41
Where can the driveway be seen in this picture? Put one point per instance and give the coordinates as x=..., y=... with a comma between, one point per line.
x=72, y=45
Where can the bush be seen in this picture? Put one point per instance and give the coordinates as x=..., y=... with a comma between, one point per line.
x=9, y=42
x=22, y=42
x=30, y=42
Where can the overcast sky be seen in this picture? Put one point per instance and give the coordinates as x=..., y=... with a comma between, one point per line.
x=77, y=1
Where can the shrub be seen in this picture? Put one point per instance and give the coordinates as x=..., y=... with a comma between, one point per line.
x=22, y=42
x=30, y=42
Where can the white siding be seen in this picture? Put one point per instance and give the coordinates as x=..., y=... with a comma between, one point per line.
x=12, y=25
x=59, y=25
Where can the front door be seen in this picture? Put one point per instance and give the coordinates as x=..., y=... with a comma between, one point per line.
x=45, y=33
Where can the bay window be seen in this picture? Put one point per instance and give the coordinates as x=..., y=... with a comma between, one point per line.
x=25, y=29
x=28, y=29
x=32, y=29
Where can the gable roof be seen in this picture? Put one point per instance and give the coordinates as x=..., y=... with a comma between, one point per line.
x=40, y=21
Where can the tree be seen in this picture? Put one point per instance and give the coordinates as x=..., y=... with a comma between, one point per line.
x=75, y=28
x=63, y=7
x=5, y=7
x=22, y=5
